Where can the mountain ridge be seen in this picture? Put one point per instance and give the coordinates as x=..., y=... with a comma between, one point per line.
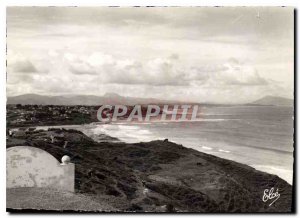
x=274, y=101
x=108, y=98
x=113, y=99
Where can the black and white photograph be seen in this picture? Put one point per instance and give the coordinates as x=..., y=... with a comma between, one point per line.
x=150, y=109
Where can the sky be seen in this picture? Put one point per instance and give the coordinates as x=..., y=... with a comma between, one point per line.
x=199, y=54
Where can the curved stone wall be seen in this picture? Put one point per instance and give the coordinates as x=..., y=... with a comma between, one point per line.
x=32, y=167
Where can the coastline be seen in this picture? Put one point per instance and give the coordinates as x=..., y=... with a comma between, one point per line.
x=95, y=131
x=147, y=176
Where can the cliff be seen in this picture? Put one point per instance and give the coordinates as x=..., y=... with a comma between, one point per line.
x=161, y=176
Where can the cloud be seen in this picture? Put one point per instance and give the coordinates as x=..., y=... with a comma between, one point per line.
x=88, y=64
x=221, y=21
x=93, y=72
x=52, y=53
x=235, y=73
x=19, y=64
x=163, y=71
x=157, y=72
x=19, y=78
x=174, y=57
x=225, y=75
x=151, y=52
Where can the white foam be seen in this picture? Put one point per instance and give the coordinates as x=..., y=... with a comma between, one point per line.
x=128, y=127
x=206, y=148
x=225, y=151
x=126, y=133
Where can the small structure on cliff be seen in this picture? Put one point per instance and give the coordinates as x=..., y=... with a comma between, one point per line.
x=33, y=167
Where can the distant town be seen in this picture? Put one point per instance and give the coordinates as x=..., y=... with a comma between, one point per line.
x=19, y=115
x=39, y=115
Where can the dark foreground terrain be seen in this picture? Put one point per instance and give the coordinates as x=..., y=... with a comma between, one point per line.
x=159, y=176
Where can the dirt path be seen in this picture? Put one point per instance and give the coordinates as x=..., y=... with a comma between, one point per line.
x=46, y=199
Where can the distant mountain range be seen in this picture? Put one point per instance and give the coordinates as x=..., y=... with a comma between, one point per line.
x=108, y=98
x=274, y=100
x=114, y=99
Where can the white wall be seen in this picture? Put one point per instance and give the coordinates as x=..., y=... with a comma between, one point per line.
x=32, y=167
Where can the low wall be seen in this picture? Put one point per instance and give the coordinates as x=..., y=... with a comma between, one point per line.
x=33, y=167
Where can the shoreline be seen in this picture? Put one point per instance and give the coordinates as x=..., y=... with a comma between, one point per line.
x=261, y=167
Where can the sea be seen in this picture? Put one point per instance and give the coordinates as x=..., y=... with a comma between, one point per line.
x=259, y=136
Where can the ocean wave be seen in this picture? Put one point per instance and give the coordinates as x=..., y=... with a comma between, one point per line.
x=126, y=133
x=225, y=151
x=206, y=148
